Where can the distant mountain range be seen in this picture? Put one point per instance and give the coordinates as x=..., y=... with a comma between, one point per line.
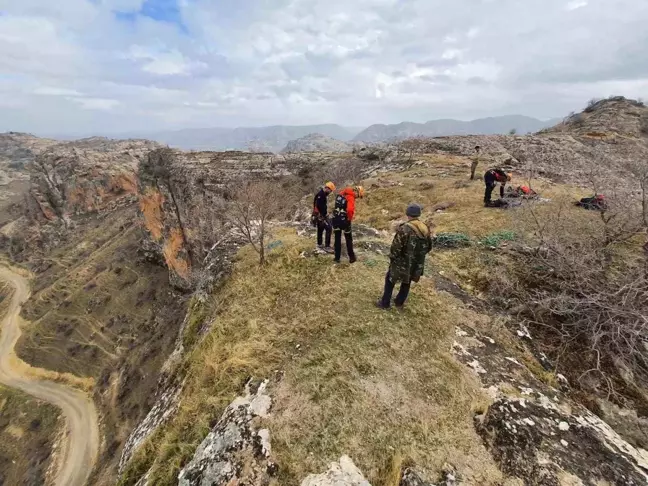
x=276, y=138
x=438, y=128
x=257, y=139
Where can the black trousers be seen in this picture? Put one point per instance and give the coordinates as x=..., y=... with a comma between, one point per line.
x=401, y=297
x=348, y=237
x=324, y=227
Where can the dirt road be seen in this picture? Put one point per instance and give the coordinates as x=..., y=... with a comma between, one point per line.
x=81, y=444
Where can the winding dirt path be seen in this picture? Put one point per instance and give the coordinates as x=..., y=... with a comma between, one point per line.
x=81, y=445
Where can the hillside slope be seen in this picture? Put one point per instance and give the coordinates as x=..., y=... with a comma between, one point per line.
x=315, y=142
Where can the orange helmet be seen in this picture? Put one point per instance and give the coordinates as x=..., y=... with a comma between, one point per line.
x=509, y=176
x=359, y=191
x=330, y=186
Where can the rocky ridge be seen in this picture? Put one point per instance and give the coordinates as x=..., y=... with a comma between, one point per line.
x=315, y=142
x=609, y=141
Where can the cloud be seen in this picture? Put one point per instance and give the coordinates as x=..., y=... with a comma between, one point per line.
x=53, y=91
x=102, y=104
x=576, y=4
x=115, y=65
x=164, y=63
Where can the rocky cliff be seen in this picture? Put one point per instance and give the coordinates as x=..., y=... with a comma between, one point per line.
x=84, y=176
x=17, y=150
x=182, y=200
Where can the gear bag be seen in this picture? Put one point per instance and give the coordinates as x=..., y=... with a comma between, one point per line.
x=340, y=209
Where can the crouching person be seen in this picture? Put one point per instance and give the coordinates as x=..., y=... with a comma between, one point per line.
x=413, y=241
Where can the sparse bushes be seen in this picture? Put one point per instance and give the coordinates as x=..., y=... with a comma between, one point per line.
x=583, y=287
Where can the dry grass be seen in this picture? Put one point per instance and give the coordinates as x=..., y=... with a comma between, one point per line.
x=380, y=386
x=28, y=428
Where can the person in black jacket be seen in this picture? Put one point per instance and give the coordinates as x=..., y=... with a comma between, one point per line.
x=491, y=178
x=320, y=216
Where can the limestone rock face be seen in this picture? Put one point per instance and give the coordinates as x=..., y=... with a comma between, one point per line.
x=541, y=444
x=234, y=452
x=341, y=473
x=86, y=176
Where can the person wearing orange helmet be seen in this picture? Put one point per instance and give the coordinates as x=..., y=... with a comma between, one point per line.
x=320, y=217
x=491, y=178
x=342, y=217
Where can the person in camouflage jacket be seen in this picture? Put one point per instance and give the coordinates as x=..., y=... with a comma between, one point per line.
x=413, y=241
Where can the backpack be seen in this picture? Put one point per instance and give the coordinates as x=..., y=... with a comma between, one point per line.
x=340, y=209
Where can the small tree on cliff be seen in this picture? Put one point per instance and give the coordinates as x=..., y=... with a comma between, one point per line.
x=253, y=205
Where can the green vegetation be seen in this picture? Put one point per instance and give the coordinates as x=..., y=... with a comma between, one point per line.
x=451, y=240
x=497, y=238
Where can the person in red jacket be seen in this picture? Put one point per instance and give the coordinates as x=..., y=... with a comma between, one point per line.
x=342, y=217
x=491, y=178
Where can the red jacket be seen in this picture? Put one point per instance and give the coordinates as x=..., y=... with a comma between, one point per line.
x=349, y=195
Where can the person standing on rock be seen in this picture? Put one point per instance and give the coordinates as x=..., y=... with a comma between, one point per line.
x=320, y=217
x=413, y=241
x=491, y=178
x=342, y=217
x=475, y=162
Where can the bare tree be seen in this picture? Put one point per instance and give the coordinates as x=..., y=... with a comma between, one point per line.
x=253, y=205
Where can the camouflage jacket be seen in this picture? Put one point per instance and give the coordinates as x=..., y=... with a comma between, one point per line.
x=411, y=243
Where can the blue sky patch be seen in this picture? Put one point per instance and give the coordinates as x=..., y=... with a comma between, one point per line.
x=159, y=10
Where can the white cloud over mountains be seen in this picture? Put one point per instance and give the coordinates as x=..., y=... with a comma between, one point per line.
x=117, y=65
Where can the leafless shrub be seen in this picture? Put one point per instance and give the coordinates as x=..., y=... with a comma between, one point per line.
x=591, y=104
x=253, y=206
x=581, y=284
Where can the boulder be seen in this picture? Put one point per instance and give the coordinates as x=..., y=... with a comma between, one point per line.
x=234, y=452
x=341, y=473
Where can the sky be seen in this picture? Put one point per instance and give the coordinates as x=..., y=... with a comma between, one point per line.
x=109, y=66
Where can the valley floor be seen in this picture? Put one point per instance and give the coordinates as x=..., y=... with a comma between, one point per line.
x=80, y=443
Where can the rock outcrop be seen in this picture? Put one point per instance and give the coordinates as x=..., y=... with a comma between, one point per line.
x=541, y=436
x=17, y=151
x=235, y=451
x=315, y=142
x=85, y=176
x=341, y=473
x=542, y=445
